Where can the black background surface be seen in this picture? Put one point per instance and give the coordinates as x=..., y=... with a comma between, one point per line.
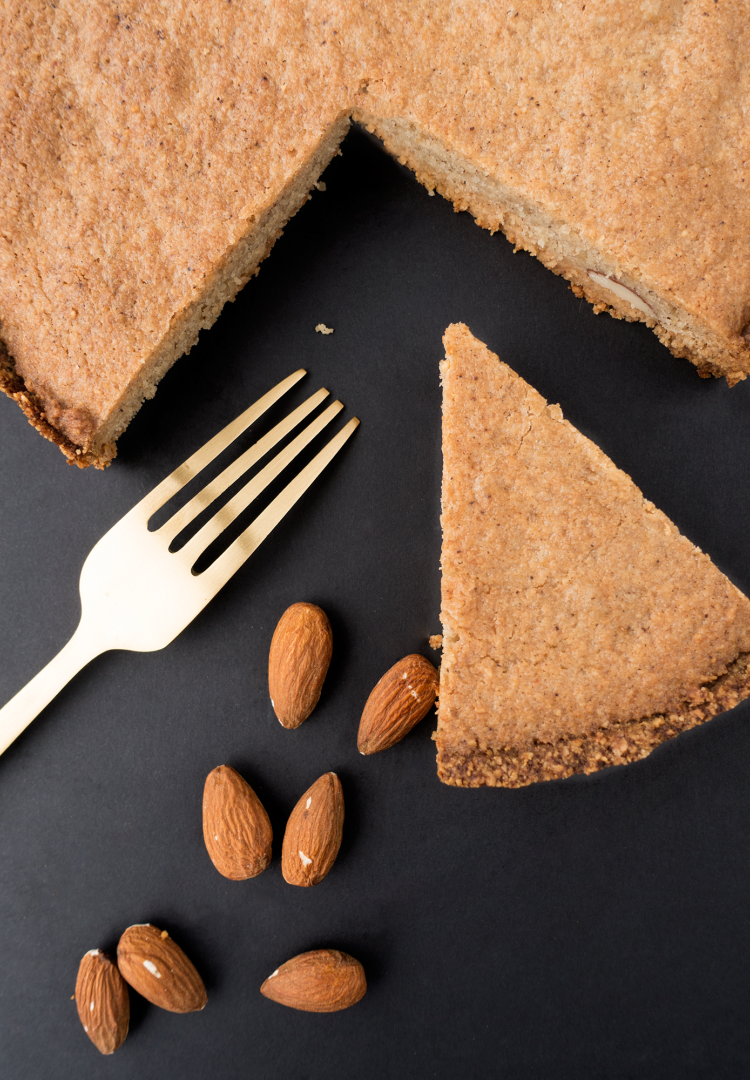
x=594, y=927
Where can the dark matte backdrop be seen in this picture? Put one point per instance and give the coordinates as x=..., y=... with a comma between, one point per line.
x=594, y=927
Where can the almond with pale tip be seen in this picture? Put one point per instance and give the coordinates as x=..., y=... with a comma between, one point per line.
x=158, y=969
x=403, y=696
x=325, y=980
x=298, y=661
x=102, y=1001
x=313, y=833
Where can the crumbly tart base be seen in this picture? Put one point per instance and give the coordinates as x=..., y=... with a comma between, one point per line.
x=152, y=160
x=561, y=248
x=580, y=628
x=620, y=743
x=98, y=447
x=13, y=385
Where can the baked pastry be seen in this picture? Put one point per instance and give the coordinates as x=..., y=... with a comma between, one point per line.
x=609, y=139
x=150, y=160
x=580, y=628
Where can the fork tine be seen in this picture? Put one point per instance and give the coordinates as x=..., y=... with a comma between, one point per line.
x=242, y=548
x=176, y=480
x=171, y=528
x=226, y=515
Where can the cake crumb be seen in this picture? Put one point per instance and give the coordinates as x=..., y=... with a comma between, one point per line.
x=319, y=185
x=534, y=515
x=436, y=641
x=321, y=328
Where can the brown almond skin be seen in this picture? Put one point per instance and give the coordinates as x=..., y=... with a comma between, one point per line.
x=100, y=984
x=177, y=988
x=322, y=981
x=404, y=695
x=298, y=661
x=314, y=831
x=236, y=828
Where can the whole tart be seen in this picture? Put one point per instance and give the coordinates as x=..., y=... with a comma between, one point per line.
x=580, y=628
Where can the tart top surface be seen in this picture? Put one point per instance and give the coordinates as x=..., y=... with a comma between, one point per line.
x=139, y=148
x=568, y=600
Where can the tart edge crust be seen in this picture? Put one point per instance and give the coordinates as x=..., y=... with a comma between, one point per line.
x=619, y=743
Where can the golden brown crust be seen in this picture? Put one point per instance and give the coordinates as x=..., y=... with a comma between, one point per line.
x=152, y=154
x=12, y=384
x=571, y=606
x=530, y=228
x=619, y=744
x=151, y=157
x=626, y=125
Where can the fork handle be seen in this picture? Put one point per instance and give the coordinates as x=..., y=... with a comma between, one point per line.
x=29, y=702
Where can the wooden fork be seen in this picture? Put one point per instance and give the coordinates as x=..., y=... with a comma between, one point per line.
x=135, y=593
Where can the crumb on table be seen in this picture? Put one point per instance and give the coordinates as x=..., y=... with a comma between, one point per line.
x=321, y=328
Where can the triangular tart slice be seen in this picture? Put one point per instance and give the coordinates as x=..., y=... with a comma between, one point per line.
x=580, y=628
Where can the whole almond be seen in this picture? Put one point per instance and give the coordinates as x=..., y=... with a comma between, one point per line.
x=322, y=981
x=102, y=1001
x=159, y=970
x=313, y=833
x=403, y=696
x=236, y=828
x=298, y=662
